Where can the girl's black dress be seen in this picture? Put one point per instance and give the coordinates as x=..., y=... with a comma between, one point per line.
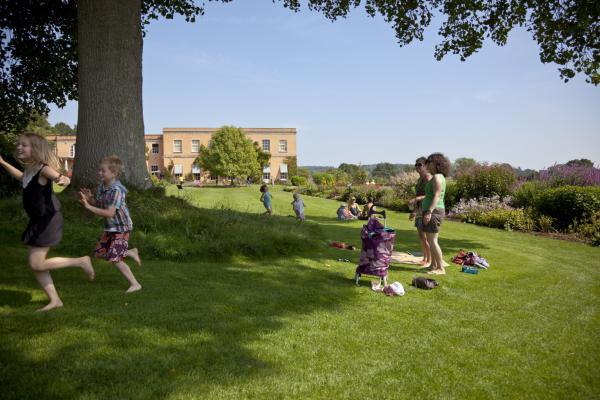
x=45, y=219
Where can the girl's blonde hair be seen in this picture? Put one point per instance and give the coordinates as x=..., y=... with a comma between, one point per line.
x=41, y=152
x=114, y=163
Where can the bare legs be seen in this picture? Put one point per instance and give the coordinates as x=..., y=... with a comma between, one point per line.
x=134, y=285
x=425, y=247
x=42, y=266
x=437, y=262
x=133, y=253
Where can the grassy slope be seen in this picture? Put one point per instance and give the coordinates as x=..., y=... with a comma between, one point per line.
x=292, y=325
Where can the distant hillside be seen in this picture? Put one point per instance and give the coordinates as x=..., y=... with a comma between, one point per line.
x=315, y=168
x=368, y=167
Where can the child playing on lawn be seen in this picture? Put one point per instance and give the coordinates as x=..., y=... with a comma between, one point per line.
x=43, y=208
x=110, y=203
x=298, y=206
x=265, y=197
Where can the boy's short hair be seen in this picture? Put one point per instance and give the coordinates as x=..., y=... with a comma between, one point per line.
x=114, y=163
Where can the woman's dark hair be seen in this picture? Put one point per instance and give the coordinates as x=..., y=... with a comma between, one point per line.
x=441, y=163
x=369, y=199
x=263, y=188
x=420, y=160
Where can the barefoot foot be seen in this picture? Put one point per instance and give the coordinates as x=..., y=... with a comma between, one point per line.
x=134, y=288
x=437, y=272
x=133, y=253
x=50, y=306
x=86, y=265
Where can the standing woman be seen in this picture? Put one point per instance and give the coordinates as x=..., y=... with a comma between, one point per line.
x=416, y=203
x=433, y=208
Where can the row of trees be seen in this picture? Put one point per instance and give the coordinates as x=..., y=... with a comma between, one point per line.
x=91, y=51
x=390, y=174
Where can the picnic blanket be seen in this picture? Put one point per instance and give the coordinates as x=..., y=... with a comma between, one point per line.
x=408, y=258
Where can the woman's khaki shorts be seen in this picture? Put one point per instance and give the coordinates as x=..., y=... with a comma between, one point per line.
x=437, y=216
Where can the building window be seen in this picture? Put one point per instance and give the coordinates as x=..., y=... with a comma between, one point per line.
x=283, y=176
x=283, y=146
x=177, y=146
x=72, y=151
x=154, y=170
x=155, y=149
x=266, y=177
x=195, y=146
x=178, y=170
x=196, y=171
x=266, y=145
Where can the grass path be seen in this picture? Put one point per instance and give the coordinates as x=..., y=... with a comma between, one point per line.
x=295, y=326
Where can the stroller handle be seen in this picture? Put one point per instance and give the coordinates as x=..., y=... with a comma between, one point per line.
x=373, y=212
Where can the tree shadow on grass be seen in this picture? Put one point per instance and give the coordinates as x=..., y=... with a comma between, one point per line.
x=14, y=298
x=194, y=329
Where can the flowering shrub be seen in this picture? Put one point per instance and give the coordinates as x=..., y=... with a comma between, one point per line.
x=494, y=213
x=404, y=184
x=574, y=175
x=467, y=210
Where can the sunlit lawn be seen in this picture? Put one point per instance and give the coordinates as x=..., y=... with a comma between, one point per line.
x=236, y=325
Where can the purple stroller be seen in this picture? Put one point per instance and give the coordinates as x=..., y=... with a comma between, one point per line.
x=377, y=247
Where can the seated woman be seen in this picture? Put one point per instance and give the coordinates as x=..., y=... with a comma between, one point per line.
x=366, y=209
x=353, y=207
x=343, y=213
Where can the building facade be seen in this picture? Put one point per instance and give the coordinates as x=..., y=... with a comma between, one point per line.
x=180, y=147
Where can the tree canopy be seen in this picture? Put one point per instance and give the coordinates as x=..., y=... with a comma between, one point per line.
x=38, y=38
x=385, y=170
x=229, y=154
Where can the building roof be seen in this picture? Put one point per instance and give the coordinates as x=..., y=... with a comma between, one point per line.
x=278, y=131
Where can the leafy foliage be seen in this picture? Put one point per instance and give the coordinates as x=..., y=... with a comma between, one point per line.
x=299, y=180
x=323, y=179
x=356, y=173
x=38, y=39
x=385, y=170
x=462, y=165
x=230, y=154
x=485, y=181
x=8, y=185
x=569, y=205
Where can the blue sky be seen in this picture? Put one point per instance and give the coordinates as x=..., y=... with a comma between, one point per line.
x=356, y=96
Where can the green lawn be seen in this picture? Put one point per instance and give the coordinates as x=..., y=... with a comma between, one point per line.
x=225, y=315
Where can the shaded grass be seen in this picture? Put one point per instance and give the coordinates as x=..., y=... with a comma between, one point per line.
x=294, y=326
x=170, y=228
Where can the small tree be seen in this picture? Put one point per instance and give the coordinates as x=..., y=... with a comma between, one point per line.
x=292, y=165
x=229, y=153
x=63, y=129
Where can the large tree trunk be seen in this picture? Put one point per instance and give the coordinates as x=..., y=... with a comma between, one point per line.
x=110, y=116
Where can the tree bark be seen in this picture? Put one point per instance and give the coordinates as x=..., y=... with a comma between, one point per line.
x=110, y=115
